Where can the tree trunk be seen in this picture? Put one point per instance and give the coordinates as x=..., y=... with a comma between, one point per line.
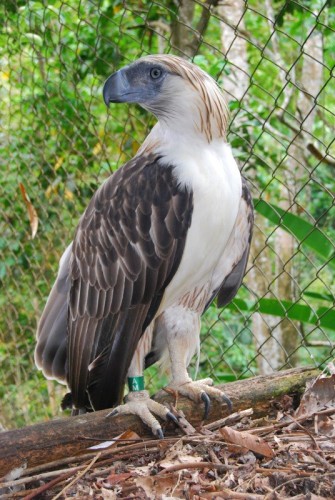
x=287, y=332
x=234, y=48
x=270, y=351
x=277, y=340
x=65, y=437
x=186, y=39
x=181, y=29
x=236, y=84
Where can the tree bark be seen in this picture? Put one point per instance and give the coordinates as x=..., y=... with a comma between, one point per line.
x=234, y=47
x=287, y=331
x=271, y=355
x=181, y=29
x=236, y=84
x=65, y=437
x=185, y=38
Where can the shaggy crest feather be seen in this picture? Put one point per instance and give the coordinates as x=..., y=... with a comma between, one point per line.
x=211, y=106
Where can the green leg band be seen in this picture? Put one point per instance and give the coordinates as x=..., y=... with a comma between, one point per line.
x=136, y=383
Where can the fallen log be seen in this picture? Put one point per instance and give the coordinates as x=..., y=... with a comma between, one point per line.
x=69, y=436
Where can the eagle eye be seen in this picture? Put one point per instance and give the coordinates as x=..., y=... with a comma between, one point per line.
x=155, y=73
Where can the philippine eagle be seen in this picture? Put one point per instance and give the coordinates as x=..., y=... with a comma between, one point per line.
x=160, y=239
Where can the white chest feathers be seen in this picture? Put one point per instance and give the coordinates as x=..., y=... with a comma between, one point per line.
x=213, y=176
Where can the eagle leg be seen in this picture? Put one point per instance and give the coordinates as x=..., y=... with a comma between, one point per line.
x=182, y=334
x=139, y=403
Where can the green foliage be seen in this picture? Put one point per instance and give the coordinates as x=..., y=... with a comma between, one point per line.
x=323, y=316
x=307, y=234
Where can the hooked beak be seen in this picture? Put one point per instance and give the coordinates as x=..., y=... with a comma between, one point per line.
x=116, y=88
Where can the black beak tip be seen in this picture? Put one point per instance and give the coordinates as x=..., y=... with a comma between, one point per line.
x=105, y=96
x=112, y=89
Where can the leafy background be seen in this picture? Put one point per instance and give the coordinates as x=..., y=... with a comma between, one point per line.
x=275, y=60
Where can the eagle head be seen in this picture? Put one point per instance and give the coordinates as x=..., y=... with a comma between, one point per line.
x=177, y=92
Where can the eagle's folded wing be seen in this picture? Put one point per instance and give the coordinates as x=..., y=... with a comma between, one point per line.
x=126, y=250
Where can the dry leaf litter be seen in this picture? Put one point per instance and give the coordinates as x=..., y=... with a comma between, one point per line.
x=288, y=455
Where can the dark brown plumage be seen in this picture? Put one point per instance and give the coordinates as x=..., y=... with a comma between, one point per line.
x=127, y=246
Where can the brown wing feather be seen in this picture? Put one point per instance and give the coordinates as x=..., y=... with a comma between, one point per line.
x=128, y=245
x=50, y=352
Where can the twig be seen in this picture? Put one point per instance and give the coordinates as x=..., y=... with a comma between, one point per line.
x=225, y=493
x=205, y=18
x=183, y=423
x=289, y=125
x=322, y=461
x=160, y=25
x=81, y=474
x=55, y=464
x=15, y=494
x=320, y=343
x=298, y=424
x=323, y=158
x=126, y=456
x=199, y=465
x=293, y=480
x=38, y=477
x=47, y=486
x=231, y=419
x=214, y=458
x=283, y=470
x=299, y=437
x=327, y=411
x=173, y=393
x=113, y=442
x=269, y=428
x=177, y=484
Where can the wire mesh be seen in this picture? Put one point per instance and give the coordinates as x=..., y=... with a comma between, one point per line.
x=275, y=61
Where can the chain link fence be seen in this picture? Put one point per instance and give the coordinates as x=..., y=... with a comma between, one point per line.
x=275, y=61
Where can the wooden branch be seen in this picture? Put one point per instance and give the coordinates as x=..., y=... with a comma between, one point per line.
x=48, y=441
x=320, y=343
x=325, y=158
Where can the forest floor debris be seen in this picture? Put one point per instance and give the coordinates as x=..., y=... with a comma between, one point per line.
x=290, y=454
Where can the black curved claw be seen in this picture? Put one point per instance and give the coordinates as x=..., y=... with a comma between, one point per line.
x=159, y=433
x=112, y=413
x=228, y=402
x=172, y=417
x=207, y=403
